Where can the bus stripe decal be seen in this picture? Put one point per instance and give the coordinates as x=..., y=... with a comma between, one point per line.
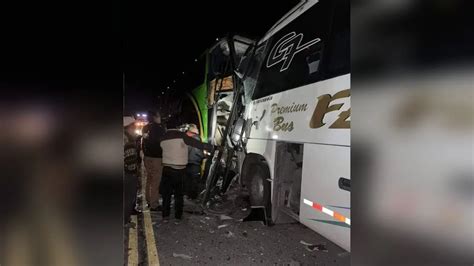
x=327, y=211
x=318, y=207
x=339, y=217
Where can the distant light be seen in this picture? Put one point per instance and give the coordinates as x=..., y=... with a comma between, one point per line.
x=217, y=39
x=168, y=87
x=174, y=81
x=183, y=72
x=274, y=137
x=162, y=92
x=144, y=115
x=195, y=60
x=139, y=115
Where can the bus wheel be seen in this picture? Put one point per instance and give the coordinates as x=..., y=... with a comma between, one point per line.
x=256, y=179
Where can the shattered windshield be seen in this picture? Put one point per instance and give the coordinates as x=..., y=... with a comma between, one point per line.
x=220, y=74
x=219, y=65
x=249, y=69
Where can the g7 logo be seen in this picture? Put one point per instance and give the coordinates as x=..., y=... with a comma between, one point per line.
x=286, y=48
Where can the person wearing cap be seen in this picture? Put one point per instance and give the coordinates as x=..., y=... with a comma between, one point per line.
x=130, y=167
x=175, y=145
x=152, y=135
x=193, y=168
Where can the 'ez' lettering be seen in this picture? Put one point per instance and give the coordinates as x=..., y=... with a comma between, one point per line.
x=286, y=48
x=323, y=107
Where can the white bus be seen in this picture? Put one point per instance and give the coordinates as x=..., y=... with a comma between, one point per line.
x=297, y=119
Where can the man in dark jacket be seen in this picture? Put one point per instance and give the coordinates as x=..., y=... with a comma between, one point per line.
x=193, y=169
x=152, y=135
x=130, y=167
x=175, y=159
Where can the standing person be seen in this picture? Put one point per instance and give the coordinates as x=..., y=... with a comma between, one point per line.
x=141, y=183
x=130, y=167
x=193, y=169
x=175, y=158
x=152, y=135
x=140, y=160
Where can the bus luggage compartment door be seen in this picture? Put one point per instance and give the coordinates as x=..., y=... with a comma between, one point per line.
x=325, y=192
x=287, y=182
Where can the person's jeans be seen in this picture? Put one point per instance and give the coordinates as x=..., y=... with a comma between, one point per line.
x=193, y=179
x=172, y=182
x=153, y=175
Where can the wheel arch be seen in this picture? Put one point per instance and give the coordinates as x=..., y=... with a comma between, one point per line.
x=251, y=158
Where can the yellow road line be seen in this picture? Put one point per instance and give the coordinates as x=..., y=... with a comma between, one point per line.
x=133, y=243
x=152, y=252
x=143, y=184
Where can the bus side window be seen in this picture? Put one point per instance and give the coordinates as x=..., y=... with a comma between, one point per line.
x=313, y=59
x=295, y=55
x=338, y=54
x=313, y=62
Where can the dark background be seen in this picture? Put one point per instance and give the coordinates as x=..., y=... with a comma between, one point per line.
x=161, y=42
x=61, y=104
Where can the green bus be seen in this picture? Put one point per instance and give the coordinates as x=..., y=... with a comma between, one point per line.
x=208, y=104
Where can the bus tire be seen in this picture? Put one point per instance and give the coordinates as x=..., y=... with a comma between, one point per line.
x=255, y=176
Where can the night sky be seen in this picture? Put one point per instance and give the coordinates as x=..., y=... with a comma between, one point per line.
x=80, y=50
x=161, y=42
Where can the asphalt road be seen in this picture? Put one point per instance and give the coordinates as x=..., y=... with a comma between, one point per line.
x=205, y=239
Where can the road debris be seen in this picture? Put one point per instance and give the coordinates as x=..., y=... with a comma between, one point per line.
x=190, y=241
x=229, y=234
x=224, y=217
x=305, y=243
x=311, y=247
x=183, y=256
x=222, y=226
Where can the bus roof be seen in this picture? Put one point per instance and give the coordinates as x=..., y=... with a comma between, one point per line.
x=296, y=11
x=241, y=44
